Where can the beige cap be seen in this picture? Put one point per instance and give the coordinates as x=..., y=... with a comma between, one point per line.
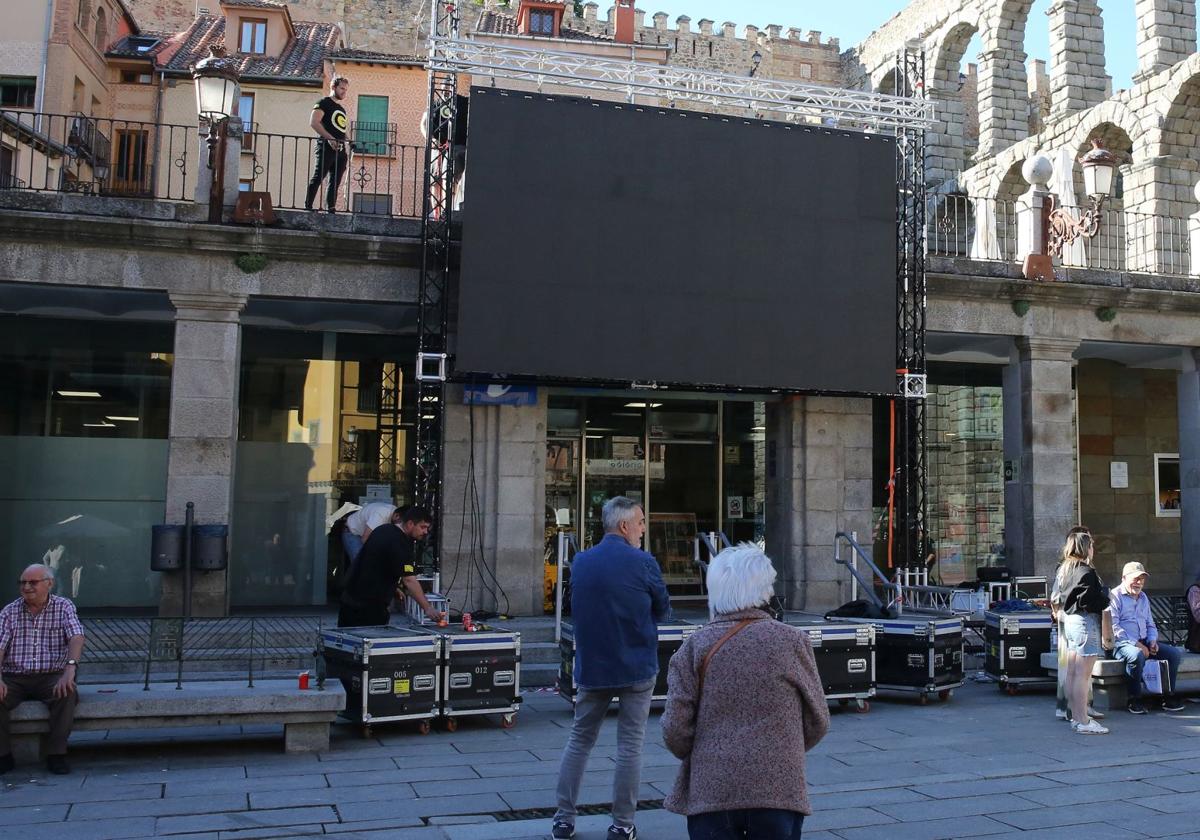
x=1133, y=569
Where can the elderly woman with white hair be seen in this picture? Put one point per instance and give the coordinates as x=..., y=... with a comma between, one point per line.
x=743, y=694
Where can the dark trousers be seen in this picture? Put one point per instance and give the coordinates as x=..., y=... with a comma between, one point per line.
x=365, y=616
x=22, y=687
x=746, y=824
x=327, y=161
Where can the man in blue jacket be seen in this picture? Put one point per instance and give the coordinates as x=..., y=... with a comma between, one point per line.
x=617, y=596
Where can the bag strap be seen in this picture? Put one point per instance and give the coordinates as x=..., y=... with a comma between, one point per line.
x=729, y=634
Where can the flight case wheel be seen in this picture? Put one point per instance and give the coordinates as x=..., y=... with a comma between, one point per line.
x=423, y=727
x=451, y=724
x=862, y=706
x=945, y=694
x=508, y=721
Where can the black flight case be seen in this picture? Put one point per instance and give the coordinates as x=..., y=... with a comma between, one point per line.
x=480, y=673
x=670, y=636
x=918, y=653
x=1015, y=642
x=390, y=673
x=845, y=654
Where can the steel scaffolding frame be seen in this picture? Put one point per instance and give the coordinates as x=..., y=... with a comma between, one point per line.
x=629, y=78
x=908, y=117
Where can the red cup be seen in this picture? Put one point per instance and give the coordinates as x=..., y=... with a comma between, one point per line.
x=303, y=680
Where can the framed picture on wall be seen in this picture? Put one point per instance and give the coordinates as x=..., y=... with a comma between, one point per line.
x=1166, y=484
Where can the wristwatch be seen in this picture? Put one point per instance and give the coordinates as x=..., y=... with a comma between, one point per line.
x=74, y=662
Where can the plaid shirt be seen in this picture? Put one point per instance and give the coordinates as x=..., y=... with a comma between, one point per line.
x=37, y=644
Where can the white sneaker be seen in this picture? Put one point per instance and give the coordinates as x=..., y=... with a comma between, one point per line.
x=1061, y=714
x=1092, y=713
x=1091, y=728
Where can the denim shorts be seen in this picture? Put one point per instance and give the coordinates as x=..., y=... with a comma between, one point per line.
x=1082, y=633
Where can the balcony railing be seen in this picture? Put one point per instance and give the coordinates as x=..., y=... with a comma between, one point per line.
x=387, y=181
x=986, y=229
x=11, y=182
x=99, y=156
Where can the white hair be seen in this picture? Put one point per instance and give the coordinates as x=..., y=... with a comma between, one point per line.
x=740, y=578
x=617, y=510
x=47, y=572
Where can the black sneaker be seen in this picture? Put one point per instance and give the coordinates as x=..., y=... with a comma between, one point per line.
x=57, y=764
x=1136, y=708
x=6, y=763
x=1172, y=704
x=562, y=830
x=617, y=833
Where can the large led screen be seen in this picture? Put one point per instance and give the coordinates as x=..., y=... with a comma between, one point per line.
x=607, y=241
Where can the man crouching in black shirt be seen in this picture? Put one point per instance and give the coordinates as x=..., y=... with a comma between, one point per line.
x=387, y=558
x=331, y=156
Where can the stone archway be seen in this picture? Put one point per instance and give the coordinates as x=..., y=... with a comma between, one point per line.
x=948, y=147
x=1003, y=93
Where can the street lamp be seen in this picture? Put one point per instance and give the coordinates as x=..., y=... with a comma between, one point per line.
x=217, y=92
x=1062, y=228
x=1052, y=228
x=755, y=61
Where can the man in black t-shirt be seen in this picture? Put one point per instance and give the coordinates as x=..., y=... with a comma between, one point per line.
x=386, y=559
x=332, y=154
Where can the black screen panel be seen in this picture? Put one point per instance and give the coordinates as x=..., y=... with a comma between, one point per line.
x=615, y=242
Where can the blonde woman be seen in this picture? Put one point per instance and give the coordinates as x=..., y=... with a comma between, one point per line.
x=1084, y=600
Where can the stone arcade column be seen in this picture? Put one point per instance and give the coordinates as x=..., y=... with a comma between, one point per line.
x=1166, y=35
x=1189, y=467
x=203, y=431
x=1003, y=95
x=818, y=483
x=1077, y=80
x=510, y=477
x=1048, y=506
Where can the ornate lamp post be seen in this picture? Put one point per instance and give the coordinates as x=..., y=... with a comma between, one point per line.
x=1057, y=227
x=755, y=61
x=217, y=93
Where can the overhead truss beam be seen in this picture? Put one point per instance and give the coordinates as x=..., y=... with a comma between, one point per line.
x=630, y=79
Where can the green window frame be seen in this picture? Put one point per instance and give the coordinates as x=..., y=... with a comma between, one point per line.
x=371, y=127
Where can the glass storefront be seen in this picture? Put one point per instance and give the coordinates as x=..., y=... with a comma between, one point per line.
x=697, y=465
x=965, y=462
x=84, y=409
x=324, y=419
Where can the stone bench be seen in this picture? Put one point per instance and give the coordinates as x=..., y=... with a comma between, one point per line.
x=1109, y=689
x=305, y=715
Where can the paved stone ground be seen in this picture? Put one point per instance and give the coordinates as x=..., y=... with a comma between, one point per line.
x=983, y=764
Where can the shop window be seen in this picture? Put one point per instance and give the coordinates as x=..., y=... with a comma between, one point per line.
x=308, y=443
x=84, y=408
x=1166, y=484
x=17, y=91
x=253, y=36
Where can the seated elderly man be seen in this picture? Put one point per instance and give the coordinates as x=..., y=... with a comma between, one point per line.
x=41, y=641
x=1136, y=637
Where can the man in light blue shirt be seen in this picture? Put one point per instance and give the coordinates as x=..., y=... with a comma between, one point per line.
x=1136, y=638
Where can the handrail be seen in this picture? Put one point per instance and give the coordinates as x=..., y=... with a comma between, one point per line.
x=867, y=584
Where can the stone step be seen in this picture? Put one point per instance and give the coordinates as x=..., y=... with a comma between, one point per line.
x=538, y=675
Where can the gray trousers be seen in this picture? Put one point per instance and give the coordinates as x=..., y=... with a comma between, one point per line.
x=23, y=687
x=590, y=709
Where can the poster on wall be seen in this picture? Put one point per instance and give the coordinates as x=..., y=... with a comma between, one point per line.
x=951, y=567
x=733, y=507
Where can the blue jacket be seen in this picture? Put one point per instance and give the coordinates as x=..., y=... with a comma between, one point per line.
x=617, y=596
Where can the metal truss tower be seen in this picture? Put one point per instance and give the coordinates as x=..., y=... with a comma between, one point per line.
x=432, y=295
x=909, y=441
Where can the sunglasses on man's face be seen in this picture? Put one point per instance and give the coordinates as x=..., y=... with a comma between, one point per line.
x=34, y=582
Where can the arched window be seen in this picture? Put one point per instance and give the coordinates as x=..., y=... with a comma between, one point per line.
x=101, y=29
x=84, y=15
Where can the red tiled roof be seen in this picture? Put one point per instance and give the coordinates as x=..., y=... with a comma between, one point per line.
x=376, y=57
x=497, y=23
x=303, y=59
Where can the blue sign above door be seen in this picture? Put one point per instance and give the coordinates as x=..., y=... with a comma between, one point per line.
x=500, y=395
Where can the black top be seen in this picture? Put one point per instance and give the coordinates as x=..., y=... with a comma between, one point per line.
x=386, y=557
x=1082, y=591
x=333, y=117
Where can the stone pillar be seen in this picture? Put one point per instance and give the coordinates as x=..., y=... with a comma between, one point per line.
x=1189, y=468
x=1037, y=172
x=508, y=452
x=1077, y=78
x=818, y=483
x=1014, y=497
x=203, y=431
x=1003, y=97
x=1166, y=34
x=1157, y=235
x=1049, y=506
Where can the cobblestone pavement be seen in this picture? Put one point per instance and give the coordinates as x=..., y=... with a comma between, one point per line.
x=983, y=764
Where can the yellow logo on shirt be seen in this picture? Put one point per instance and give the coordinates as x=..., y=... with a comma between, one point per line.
x=339, y=120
